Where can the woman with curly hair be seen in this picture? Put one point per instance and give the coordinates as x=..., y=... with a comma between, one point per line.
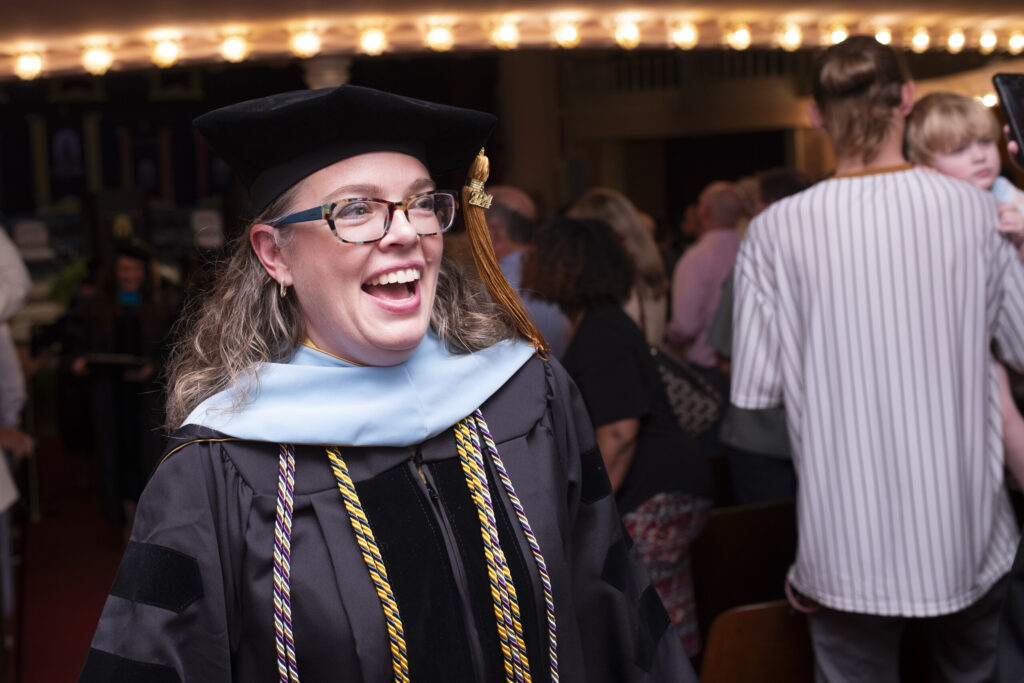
x=662, y=483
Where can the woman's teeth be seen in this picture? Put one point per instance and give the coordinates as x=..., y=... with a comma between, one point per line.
x=397, y=276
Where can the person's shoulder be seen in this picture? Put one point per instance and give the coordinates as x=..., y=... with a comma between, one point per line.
x=194, y=447
x=696, y=254
x=192, y=436
x=604, y=333
x=780, y=211
x=952, y=196
x=606, y=325
x=542, y=386
x=947, y=185
x=762, y=225
x=195, y=453
x=522, y=399
x=604, y=315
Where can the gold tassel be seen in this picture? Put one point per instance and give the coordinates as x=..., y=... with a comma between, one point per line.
x=475, y=200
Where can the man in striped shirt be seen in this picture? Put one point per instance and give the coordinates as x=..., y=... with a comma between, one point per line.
x=867, y=305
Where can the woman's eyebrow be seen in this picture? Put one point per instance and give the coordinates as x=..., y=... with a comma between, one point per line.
x=421, y=185
x=376, y=191
x=359, y=190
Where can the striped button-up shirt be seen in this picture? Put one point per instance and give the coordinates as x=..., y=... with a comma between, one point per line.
x=867, y=306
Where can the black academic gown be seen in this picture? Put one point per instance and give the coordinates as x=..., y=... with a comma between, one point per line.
x=193, y=598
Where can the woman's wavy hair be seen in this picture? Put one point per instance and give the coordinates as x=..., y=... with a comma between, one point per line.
x=241, y=322
x=857, y=84
x=615, y=209
x=579, y=264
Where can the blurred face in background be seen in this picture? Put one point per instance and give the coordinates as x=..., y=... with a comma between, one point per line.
x=130, y=273
x=690, y=226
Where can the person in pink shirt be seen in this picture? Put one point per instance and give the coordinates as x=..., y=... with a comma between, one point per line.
x=698, y=276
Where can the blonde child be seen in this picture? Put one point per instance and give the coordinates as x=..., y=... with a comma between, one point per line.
x=958, y=136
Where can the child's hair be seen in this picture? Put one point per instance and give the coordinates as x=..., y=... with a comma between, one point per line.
x=943, y=122
x=857, y=84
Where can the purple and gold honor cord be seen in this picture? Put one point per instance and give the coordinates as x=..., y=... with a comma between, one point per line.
x=284, y=642
x=468, y=436
x=531, y=539
x=374, y=564
x=503, y=591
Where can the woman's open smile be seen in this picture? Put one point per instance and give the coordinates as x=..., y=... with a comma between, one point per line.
x=395, y=290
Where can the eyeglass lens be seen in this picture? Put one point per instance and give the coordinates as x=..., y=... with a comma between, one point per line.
x=364, y=220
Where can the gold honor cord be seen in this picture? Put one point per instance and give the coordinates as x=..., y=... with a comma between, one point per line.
x=474, y=201
x=374, y=564
x=503, y=590
x=531, y=539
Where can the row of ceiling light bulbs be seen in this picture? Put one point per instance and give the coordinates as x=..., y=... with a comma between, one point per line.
x=167, y=50
x=919, y=39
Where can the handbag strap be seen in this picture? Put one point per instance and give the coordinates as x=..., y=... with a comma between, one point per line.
x=682, y=367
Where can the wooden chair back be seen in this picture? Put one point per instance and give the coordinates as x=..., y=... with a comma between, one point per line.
x=742, y=557
x=763, y=643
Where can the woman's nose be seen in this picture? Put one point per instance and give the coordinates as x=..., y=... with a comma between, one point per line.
x=400, y=231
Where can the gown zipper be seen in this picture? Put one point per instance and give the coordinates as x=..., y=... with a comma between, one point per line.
x=455, y=558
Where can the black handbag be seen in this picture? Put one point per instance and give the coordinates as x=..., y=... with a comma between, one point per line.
x=696, y=404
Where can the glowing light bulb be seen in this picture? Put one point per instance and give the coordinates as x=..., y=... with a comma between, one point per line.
x=920, y=40
x=440, y=38
x=28, y=65
x=988, y=41
x=166, y=53
x=305, y=44
x=739, y=38
x=567, y=35
x=791, y=37
x=837, y=34
x=234, y=48
x=1016, y=42
x=685, y=35
x=989, y=99
x=97, y=60
x=373, y=41
x=627, y=35
x=883, y=36
x=505, y=36
x=956, y=41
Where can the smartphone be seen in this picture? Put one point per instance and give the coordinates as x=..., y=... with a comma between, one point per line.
x=1010, y=88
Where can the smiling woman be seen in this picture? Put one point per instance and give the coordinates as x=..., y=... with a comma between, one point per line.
x=371, y=477
x=348, y=312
